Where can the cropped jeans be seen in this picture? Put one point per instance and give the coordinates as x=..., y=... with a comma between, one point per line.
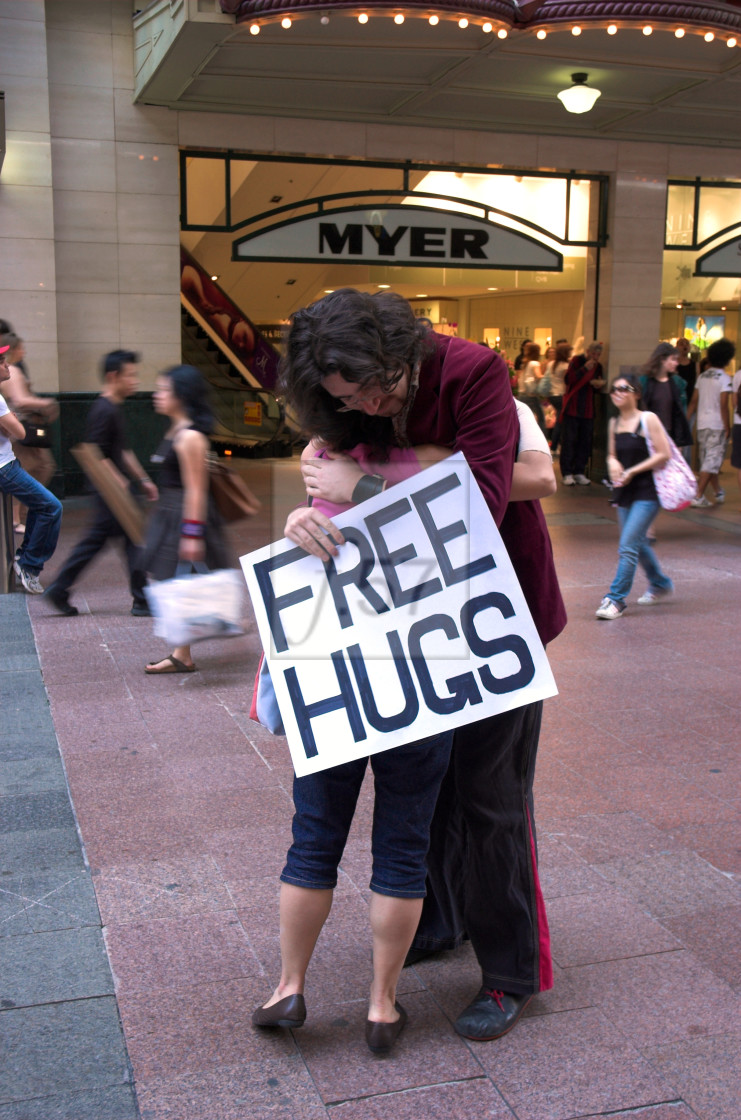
x=43, y=520
x=634, y=549
x=407, y=781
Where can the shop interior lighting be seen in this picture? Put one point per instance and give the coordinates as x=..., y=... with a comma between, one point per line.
x=579, y=98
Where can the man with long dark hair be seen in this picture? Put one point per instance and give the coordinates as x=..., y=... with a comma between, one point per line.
x=105, y=428
x=359, y=369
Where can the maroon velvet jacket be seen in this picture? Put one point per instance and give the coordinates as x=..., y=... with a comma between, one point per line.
x=464, y=401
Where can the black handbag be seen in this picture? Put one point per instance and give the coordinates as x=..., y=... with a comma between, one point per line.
x=38, y=433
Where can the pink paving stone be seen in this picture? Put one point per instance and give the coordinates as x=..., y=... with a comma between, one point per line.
x=658, y=999
x=461, y=1100
x=714, y=936
x=667, y=885
x=672, y=1110
x=179, y=953
x=202, y=1029
x=706, y=1072
x=598, y=837
x=160, y=889
x=588, y=928
x=240, y=1092
x=570, y=1064
x=342, y=1067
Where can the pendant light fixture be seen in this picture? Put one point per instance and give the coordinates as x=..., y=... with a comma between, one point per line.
x=580, y=97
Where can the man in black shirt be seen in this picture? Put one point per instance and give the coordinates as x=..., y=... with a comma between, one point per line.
x=105, y=427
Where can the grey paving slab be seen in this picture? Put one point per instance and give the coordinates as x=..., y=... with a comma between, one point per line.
x=53, y=967
x=117, y=1103
x=61, y=1047
x=39, y=901
x=40, y=850
x=32, y=775
x=29, y=811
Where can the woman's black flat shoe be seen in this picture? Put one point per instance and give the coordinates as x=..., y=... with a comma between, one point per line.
x=381, y=1037
x=288, y=1012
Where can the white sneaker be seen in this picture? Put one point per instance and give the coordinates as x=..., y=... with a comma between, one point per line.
x=720, y=497
x=701, y=503
x=654, y=595
x=569, y=480
x=30, y=582
x=582, y=480
x=609, y=609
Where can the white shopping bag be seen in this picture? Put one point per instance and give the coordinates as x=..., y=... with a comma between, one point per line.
x=192, y=607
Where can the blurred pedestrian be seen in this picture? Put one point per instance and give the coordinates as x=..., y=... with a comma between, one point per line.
x=710, y=401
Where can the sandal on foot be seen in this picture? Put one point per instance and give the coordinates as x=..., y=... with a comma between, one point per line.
x=19, y=527
x=175, y=666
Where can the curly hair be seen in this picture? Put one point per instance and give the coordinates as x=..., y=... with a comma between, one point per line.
x=720, y=353
x=367, y=340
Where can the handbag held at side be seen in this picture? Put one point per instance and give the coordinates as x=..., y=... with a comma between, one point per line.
x=230, y=493
x=194, y=606
x=675, y=483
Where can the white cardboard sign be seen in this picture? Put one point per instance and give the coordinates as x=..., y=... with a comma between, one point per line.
x=419, y=626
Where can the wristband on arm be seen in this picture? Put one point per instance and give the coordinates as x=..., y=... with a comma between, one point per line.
x=367, y=487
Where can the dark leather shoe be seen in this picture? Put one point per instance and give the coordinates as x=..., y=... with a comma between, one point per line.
x=141, y=610
x=491, y=1014
x=59, y=601
x=381, y=1037
x=288, y=1012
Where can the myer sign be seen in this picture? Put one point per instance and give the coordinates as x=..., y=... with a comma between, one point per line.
x=399, y=235
x=419, y=625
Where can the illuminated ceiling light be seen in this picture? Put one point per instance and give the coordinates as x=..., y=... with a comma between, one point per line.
x=492, y=289
x=731, y=42
x=540, y=34
x=580, y=97
x=612, y=29
x=383, y=285
x=502, y=33
x=433, y=21
x=648, y=29
x=254, y=29
x=487, y=28
x=214, y=278
x=709, y=36
x=286, y=22
x=678, y=305
x=423, y=295
x=398, y=18
x=463, y=22
x=576, y=30
x=328, y=291
x=363, y=17
x=324, y=21
x=679, y=33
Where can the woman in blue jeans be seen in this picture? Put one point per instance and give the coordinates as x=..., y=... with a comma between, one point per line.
x=630, y=464
x=407, y=781
x=44, y=510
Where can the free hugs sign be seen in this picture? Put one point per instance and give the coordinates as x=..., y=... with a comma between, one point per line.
x=419, y=626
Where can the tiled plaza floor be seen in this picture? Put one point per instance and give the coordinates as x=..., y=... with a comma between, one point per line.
x=184, y=809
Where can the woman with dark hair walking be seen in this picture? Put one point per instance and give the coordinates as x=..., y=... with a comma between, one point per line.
x=663, y=391
x=185, y=526
x=631, y=464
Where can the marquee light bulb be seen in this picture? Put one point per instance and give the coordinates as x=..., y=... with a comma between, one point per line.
x=709, y=36
x=612, y=29
x=540, y=34
x=576, y=30
x=487, y=28
x=255, y=29
x=399, y=18
x=648, y=30
x=285, y=22
x=463, y=22
x=731, y=42
x=324, y=21
x=363, y=17
x=679, y=33
x=502, y=33
x=433, y=21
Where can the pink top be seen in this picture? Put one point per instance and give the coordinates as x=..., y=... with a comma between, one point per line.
x=402, y=463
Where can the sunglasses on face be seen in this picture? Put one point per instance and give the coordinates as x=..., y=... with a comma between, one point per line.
x=622, y=389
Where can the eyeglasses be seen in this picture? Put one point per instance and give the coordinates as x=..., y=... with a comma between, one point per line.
x=622, y=389
x=357, y=400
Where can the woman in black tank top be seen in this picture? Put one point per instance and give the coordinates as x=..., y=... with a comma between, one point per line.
x=631, y=464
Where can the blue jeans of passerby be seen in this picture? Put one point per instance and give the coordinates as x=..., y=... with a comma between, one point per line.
x=407, y=781
x=43, y=520
x=634, y=549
